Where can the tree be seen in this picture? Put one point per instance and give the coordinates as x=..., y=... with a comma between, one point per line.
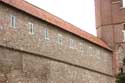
x=121, y=76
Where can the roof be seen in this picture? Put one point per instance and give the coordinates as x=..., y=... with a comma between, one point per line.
x=43, y=15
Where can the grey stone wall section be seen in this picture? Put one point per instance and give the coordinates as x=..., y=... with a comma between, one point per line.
x=27, y=68
x=20, y=38
x=18, y=66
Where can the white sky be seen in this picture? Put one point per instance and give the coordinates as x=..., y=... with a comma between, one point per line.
x=80, y=13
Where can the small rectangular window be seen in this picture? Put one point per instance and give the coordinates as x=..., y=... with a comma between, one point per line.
x=123, y=3
x=59, y=39
x=123, y=35
x=71, y=43
x=31, y=28
x=81, y=47
x=46, y=34
x=123, y=32
x=13, y=21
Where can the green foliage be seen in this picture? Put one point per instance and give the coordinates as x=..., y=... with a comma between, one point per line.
x=121, y=78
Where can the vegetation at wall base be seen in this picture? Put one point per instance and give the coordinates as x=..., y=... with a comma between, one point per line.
x=121, y=78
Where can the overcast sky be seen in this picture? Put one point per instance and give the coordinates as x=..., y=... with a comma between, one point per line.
x=80, y=13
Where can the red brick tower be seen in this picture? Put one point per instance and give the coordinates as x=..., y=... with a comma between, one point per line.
x=110, y=19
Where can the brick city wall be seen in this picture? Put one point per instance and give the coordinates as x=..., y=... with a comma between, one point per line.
x=80, y=64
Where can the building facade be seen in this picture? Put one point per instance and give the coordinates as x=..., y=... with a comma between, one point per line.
x=38, y=47
x=110, y=25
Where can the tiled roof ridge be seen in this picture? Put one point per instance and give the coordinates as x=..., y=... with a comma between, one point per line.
x=44, y=15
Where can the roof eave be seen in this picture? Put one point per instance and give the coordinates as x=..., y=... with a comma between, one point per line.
x=105, y=47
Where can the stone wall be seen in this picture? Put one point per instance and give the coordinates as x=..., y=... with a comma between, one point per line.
x=85, y=58
x=18, y=67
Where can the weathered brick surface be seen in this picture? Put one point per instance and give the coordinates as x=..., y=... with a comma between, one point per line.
x=28, y=68
x=112, y=11
x=118, y=32
x=103, y=10
x=106, y=30
x=110, y=16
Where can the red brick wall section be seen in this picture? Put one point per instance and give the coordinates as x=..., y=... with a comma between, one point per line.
x=110, y=16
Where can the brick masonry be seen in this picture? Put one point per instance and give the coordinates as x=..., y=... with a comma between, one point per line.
x=110, y=20
x=45, y=61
